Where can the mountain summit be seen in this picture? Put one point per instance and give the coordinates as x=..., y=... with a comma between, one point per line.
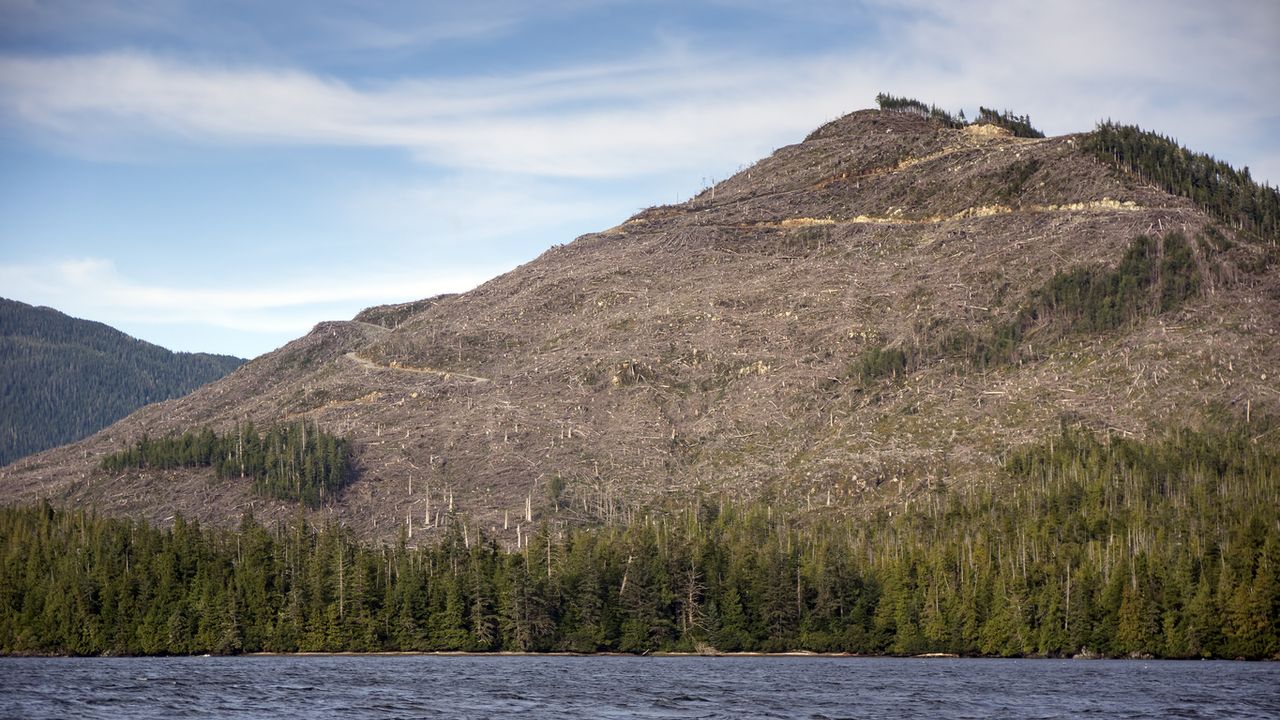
x=870, y=316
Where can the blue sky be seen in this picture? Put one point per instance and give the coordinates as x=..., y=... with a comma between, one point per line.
x=221, y=175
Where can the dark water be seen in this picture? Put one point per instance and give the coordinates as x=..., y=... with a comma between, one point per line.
x=628, y=687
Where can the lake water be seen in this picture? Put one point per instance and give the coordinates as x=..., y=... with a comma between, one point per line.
x=632, y=687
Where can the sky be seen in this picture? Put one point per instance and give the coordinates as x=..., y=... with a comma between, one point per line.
x=221, y=175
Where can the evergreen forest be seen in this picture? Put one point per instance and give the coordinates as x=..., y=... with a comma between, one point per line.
x=65, y=378
x=1222, y=191
x=298, y=461
x=1088, y=545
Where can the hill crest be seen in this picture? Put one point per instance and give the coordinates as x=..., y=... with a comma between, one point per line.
x=804, y=331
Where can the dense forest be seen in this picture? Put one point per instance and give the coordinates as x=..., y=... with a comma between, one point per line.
x=1091, y=545
x=65, y=378
x=298, y=461
x=1222, y=191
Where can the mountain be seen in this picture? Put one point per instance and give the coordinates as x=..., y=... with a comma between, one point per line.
x=66, y=378
x=869, y=318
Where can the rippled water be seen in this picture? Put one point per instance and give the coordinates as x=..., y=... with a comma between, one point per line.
x=631, y=687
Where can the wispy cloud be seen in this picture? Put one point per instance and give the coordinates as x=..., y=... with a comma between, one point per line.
x=358, y=28
x=1182, y=64
x=603, y=120
x=316, y=30
x=468, y=209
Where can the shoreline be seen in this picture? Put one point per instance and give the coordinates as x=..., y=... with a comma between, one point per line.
x=659, y=654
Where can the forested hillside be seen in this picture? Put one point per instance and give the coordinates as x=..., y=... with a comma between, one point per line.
x=65, y=378
x=1229, y=194
x=1087, y=545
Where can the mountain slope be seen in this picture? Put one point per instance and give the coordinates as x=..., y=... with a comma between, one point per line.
x=65, y=378
x=880, y=311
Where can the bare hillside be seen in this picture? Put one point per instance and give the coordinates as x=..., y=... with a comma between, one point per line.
x=737, y=343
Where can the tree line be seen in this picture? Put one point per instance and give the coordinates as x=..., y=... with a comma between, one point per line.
x=1226, y=193
x=915, y=107
x=1116, y=547
x=1018, y=125
x=298, y=461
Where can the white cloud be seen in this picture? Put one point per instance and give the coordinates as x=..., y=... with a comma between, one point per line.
x=139, y=94
x=463, y=210
x=94, y=288
x=605, y=120
x=1185, y=68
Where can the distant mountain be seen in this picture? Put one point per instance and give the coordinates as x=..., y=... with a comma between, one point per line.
x=876, y=316
x=66, y=378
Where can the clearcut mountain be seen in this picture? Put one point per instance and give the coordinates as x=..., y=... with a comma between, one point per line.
x=871, y=317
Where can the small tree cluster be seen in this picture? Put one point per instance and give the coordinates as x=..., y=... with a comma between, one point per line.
x=289, y=462
x=915, y=107
x=1154, y=276
x=1019, y=125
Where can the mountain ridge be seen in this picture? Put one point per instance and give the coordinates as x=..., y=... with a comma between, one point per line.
x=747, y=343
x=68, y=377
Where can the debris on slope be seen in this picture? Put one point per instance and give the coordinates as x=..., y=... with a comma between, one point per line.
x=713, y=347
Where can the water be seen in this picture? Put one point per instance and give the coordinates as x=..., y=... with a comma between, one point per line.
x=631, y=687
